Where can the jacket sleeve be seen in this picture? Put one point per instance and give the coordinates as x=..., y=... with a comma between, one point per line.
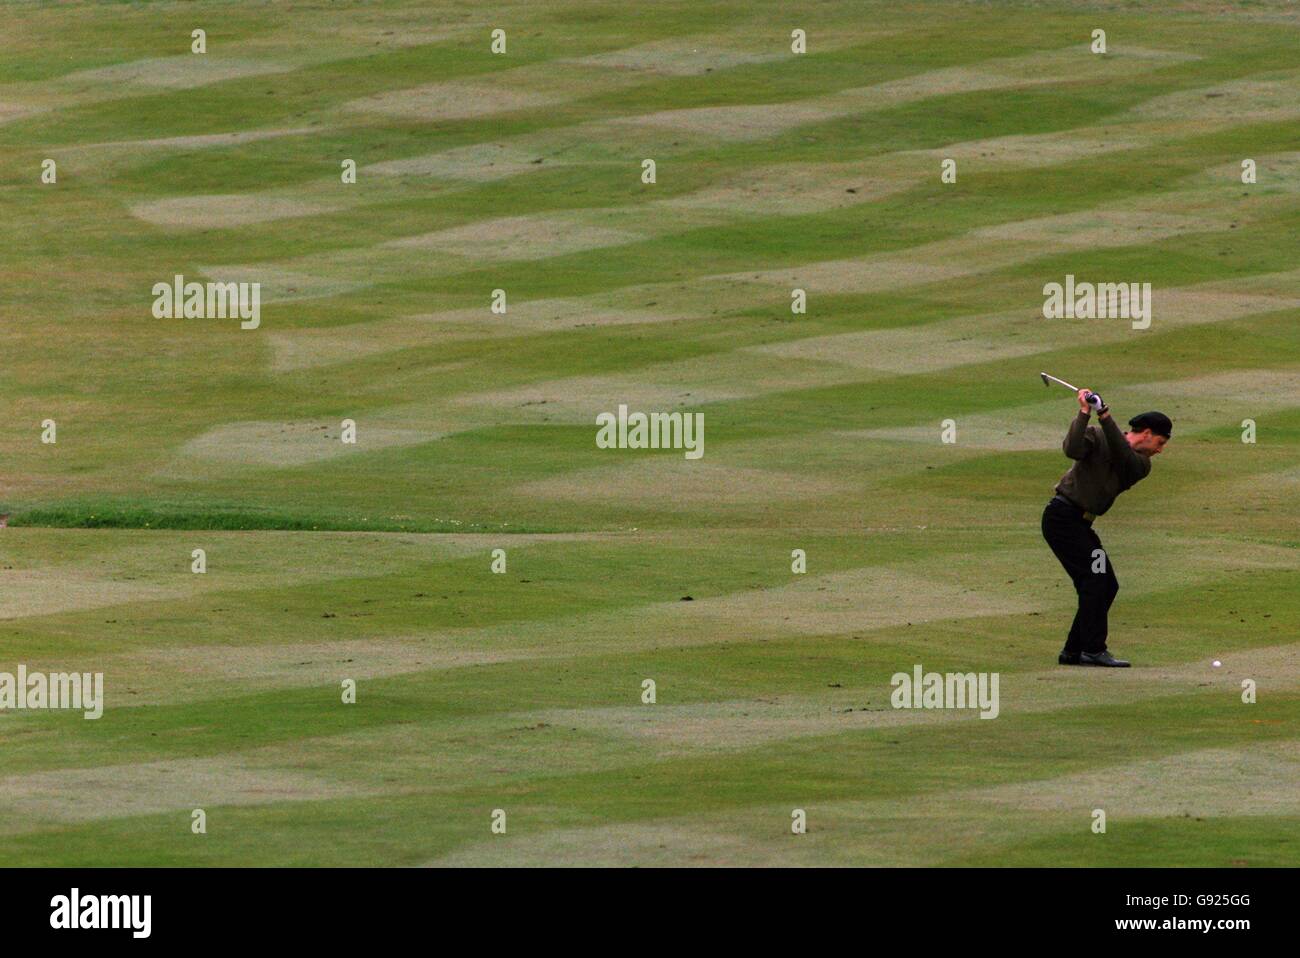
x=1131, y=465
x=1078, y=441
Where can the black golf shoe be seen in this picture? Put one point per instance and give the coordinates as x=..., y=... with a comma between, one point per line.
x=1103, y=658
x=1067, y=658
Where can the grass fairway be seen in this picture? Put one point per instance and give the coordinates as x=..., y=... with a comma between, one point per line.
x=372, y=561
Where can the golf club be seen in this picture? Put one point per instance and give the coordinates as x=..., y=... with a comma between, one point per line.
x=1093, y=399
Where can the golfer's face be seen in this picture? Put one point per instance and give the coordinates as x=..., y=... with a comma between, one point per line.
x=1150, y=444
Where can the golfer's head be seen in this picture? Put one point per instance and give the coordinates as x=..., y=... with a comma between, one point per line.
x=1149, y=432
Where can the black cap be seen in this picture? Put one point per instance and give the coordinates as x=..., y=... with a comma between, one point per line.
x=1157, y=422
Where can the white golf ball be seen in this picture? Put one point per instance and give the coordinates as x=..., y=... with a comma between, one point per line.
x=1217, y=663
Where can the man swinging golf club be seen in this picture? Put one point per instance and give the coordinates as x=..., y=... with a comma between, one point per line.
x=1106, y=462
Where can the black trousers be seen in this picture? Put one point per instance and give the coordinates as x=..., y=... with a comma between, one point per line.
x=1074, y=543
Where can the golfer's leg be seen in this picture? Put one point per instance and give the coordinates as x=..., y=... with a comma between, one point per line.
x=1112, y=589
x=1072, y=548
x=1096, y=593
x=1074, y=642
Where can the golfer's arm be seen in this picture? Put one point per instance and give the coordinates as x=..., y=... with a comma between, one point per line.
x=1078, y=443
x=1120, y=451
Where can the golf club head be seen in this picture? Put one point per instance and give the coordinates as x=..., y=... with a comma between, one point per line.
x=1093, y=399
x=1048, y=380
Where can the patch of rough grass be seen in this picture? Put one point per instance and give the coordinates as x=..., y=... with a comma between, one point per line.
x=985, y=249
x=16, y=111
x=224, y=211
x=1097, y=229
x=118, y=791
x=795, y=189
x=1247, y=780
x=669, y=481
x=1239, y=390
x=299, y=349
x=294, y=443
x=914, y=349
x=735, y=123
x=873, y=597
x=460, y=100
x=520, y=238
x=676, y=842
x=1077, y=61
x=478, y=162
x=883, y=272
x=679, y=57
x=283, y=285
x=33, y=592
x=198, y=141
x=606, y=141
x=1232, y=102
x=1276, y=172
x=1283, y=285
x=581, y=398
x=659, y=387
x=926, y=85
x=182, y=72
x=1029, y=151
x=310, y=348
x=292, y=665
x=382, y=34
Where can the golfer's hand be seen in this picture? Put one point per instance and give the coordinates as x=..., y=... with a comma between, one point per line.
x=1083, y=402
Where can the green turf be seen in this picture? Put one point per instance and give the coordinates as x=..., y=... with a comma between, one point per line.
x=476, y=431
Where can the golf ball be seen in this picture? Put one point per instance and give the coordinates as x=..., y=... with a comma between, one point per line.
x=1217, y=663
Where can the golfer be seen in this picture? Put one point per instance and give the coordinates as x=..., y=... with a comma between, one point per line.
x=1106, y=462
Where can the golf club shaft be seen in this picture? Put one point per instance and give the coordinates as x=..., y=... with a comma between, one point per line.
x=1093, y=399
x=1061, y=381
